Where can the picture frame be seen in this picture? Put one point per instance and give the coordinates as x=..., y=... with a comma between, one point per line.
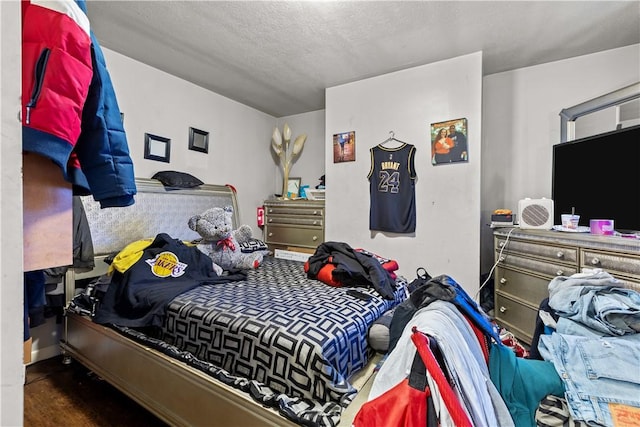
x=293, y=186
x=198, y=140
x=449, y=142
x=344, y=147
x=157, y=148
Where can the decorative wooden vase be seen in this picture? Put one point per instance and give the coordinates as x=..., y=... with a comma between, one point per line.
x=281, y=144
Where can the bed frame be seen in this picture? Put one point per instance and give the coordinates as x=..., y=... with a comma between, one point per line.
x=175, y=392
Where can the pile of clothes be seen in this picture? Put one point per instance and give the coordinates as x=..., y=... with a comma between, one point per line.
x=485, y=382
x=338, y=264
x=588, y=330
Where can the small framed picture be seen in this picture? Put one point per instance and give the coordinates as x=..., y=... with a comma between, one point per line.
x=449, y=142
x=293, y=186
x=157, y=148
x=344, y=147
x=198, y=140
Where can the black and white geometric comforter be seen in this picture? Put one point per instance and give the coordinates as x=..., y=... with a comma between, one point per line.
x=294, y=336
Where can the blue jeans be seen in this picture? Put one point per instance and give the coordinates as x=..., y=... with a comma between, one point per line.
x=596, y=372
x=598, y=301
x=571, y=327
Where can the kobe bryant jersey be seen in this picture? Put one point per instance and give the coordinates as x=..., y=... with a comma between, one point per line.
x=392, y=188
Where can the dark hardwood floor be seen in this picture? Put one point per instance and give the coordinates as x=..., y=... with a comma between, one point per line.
x=69, y=395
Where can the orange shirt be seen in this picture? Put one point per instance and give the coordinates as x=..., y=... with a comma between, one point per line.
x=443, y=145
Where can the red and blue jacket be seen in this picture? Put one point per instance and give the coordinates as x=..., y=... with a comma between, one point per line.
x=70, y=112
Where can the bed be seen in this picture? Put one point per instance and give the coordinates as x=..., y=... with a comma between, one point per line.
x=275, y=348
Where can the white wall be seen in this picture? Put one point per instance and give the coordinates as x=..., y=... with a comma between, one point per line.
x=11, y=288
x=521, y=123
x=447, y=239
x=310, y=162
x=239, y=136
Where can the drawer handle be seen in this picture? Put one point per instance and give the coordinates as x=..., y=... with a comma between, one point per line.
x=503, y=281
x=559, y=273
x=595, y=261
x=314, y=238
x=560, y=254
x=270, y=210
x=501, y=259
x=315, y=222
x=501, y=244
x=503, y=309
x=270, y=219
x=315, y=212
x=270, y=234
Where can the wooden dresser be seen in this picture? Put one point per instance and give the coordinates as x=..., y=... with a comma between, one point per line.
x=294, y=223
x=527, y=260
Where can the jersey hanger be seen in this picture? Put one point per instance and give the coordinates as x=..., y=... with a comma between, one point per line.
x=391, y=139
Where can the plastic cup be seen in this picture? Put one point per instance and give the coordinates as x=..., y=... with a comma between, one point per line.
x=570, y=221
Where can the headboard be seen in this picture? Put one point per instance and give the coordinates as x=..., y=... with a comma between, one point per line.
x=157, y=209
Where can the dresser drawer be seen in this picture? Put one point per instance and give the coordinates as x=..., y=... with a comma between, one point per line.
x=294, y=223
x=614, y=263
x=552, y=253
x=294, y=210
x=544, y=268
x=296, y=220
x=530, y=290
x=294, y=236
x=515, y=317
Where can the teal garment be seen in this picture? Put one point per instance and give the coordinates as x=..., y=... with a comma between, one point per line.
x=522, y=383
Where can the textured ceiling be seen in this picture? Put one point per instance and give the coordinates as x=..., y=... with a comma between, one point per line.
x=278, y=57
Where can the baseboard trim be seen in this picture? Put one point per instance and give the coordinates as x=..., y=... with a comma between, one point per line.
x=45, y=353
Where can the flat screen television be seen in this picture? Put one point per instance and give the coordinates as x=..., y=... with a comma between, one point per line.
x=599, y=177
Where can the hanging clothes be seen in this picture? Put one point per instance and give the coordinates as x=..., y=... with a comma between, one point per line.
x=392, y=189
x=69, y=109
x=34, y=300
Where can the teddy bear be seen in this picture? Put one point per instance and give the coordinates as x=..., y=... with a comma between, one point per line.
x=222, y=243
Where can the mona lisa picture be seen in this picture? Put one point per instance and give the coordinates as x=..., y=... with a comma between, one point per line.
x=449, y=142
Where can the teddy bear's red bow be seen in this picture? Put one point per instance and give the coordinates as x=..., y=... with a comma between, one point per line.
x=227, y=243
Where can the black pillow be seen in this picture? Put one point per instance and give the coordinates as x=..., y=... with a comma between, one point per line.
x=177, y=179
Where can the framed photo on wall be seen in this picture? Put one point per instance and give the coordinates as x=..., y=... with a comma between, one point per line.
x=198, y=140
x=344, y=147
x=157, y=148
x=449, y=142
